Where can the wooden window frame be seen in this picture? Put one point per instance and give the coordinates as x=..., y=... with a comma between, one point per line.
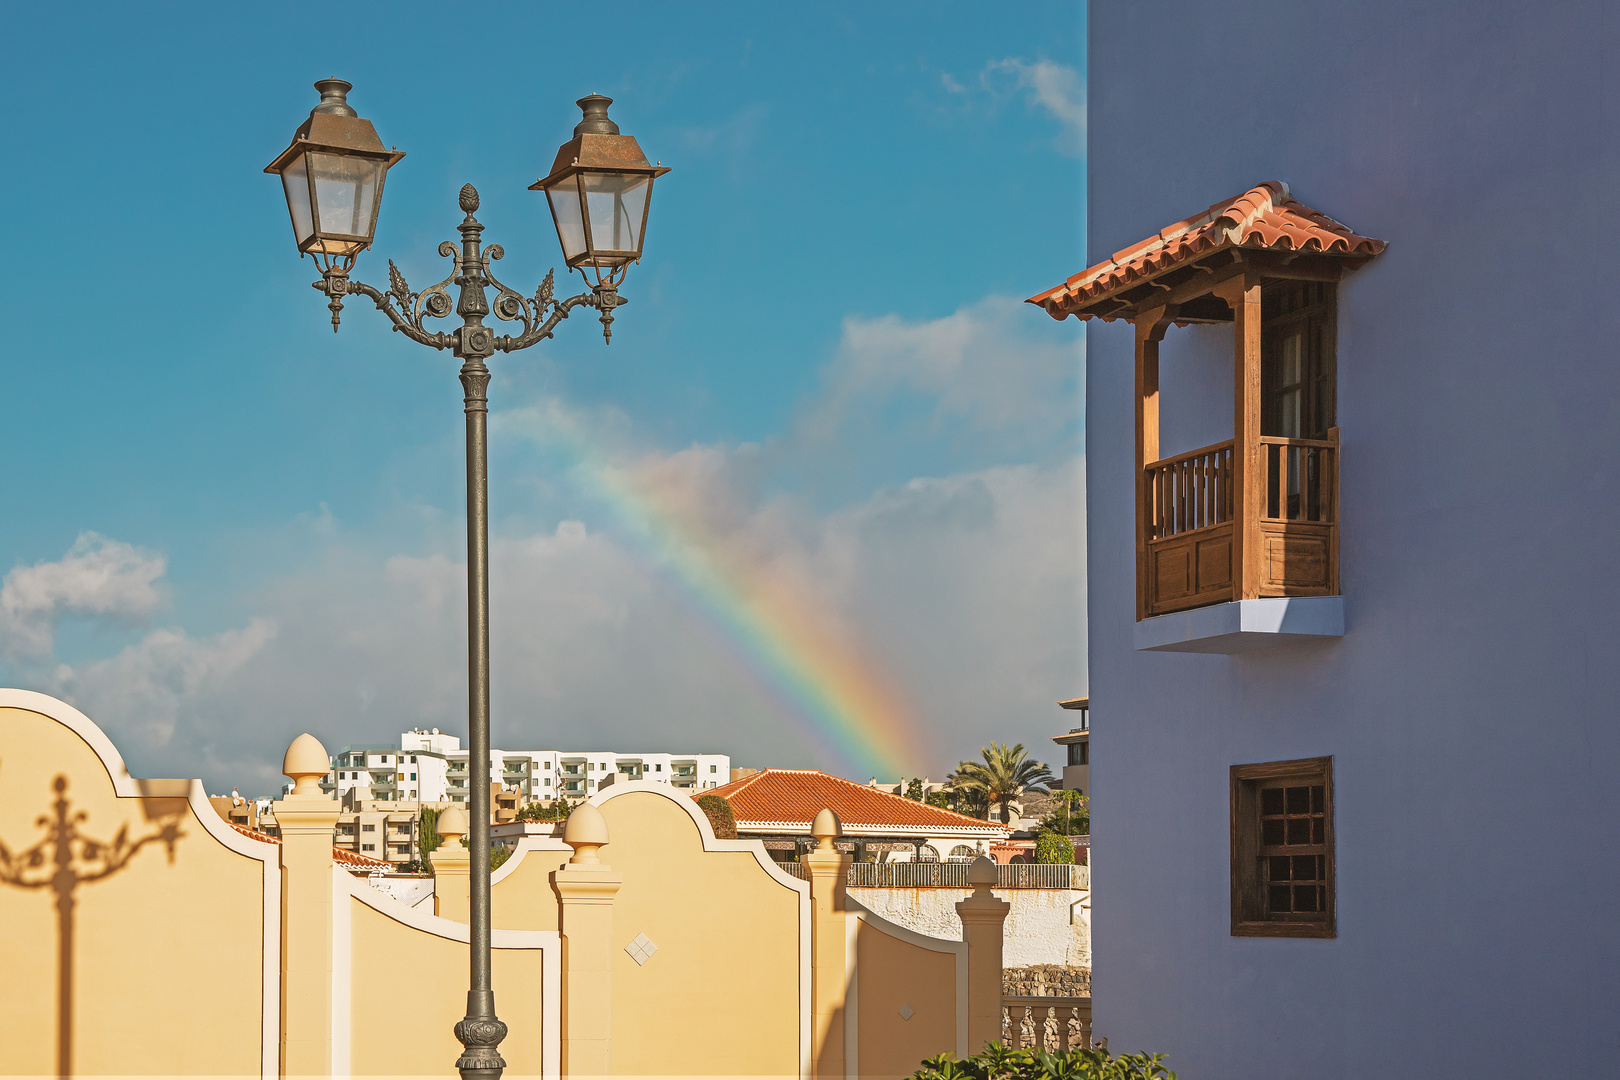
x=1249, y=917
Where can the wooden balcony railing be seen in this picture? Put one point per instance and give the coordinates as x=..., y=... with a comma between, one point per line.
x=1049, y=1023
x=1189, y=507
x=1299, y=516
x=1193, y=491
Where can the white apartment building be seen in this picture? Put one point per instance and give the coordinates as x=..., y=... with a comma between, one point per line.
x=429, y=766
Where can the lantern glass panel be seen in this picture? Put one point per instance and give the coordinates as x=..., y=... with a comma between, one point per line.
x=295, y=179
x=345, y=196
x=565, y=209
x=618, y=206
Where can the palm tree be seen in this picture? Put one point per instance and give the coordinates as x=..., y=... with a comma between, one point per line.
x=1005, y=773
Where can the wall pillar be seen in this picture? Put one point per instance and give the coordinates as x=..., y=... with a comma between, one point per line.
x=585, y=888
x=1248, y=463
x=829, y=873
x=982, y=916
x=307, y=818
x=452, y=865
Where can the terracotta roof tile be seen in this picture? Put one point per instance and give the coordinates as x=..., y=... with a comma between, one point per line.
x=339, y=855
x=1267, y=217
x=788, y=799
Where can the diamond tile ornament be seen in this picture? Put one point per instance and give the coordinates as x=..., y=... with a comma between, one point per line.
x=641, y=949
x=907, y=1012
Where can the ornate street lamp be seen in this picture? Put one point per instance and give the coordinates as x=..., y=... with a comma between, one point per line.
x=599, y=188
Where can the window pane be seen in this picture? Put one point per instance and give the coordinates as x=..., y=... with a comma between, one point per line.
x=1279, y=898
x=1316, y=799
x=1271, y=832
x=345, y=190
x=1299, y=830
x=1318, y=831
x=1279, y=867
x=565, y=208
x=1271, y=801
x=617, y=202
x=296, y=183
x=1299, y=800
x=1306, y=867
x=1305, y=898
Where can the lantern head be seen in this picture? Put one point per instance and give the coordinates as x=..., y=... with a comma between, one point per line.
x=600, y=190
x=333, y=175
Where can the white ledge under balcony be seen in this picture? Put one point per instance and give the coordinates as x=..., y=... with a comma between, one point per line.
x=1240, y=626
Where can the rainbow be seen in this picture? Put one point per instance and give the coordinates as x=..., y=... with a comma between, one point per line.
x=775, y=626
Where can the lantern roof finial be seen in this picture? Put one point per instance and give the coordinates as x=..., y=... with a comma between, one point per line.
x=334, y=97
x=596, y=120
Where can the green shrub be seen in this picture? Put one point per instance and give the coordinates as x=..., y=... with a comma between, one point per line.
x=1050, y=847
x=721, y=819
x=999, y=1063
x=429, y=831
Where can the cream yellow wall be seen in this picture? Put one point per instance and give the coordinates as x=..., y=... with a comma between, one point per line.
x=523, y=899
x=893, y=974
x=721, y=996
x=168, y=958
x=408, y=987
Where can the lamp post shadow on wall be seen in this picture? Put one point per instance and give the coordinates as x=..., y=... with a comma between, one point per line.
x=66, y=859
x=599, y=191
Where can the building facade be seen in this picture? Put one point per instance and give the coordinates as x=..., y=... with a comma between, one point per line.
x=1353, y=802
x=1076, y=747
x=431, y=767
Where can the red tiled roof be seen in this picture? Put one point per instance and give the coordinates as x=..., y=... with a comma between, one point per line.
x=787, y=800
x=339, y=855
x=1266, y=217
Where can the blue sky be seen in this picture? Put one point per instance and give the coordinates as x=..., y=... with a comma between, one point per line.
x=823, y=333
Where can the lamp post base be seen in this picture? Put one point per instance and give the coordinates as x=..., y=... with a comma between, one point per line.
x=481, y=1035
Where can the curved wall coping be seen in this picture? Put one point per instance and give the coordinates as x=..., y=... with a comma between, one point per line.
x=705, y=830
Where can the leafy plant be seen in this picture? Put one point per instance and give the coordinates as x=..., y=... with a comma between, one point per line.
x=430, y=838
x=1051, y=847
x=498, y=853
x=1005, y=773
x=914, y=790
x=721, y=819
x=1073, y=815
x=999, y=1063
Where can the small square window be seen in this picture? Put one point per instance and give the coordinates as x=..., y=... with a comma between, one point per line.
x=1282, y=849
x=368, y=828
x=714, y=768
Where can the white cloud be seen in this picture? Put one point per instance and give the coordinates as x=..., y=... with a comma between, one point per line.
x=165, y=684
x=1054, y=88
x=98, y=578
x=984, y=366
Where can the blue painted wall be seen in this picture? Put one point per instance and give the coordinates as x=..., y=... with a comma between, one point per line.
x=1471, y=708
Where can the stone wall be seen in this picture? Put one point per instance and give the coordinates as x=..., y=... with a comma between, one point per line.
x=1046, y=980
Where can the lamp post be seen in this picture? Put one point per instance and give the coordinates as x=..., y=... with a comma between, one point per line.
x=599, y=190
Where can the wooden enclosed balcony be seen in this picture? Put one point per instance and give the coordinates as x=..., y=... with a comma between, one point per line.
x=1257, y=515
